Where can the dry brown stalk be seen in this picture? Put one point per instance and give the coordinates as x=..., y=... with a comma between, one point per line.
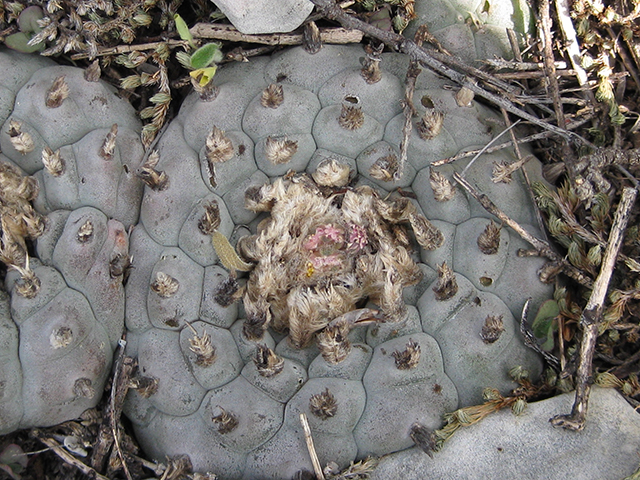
x=571, y=40
x=229, y=33
x=549, y=60
x=445, y=65
x=543, y=247
x=67, y=457
x=109, y=433
x=592, y=316
x=312, y=450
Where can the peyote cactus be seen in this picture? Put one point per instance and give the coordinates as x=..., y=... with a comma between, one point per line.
x=65, y=312
x=474, y=29
x=356, y=310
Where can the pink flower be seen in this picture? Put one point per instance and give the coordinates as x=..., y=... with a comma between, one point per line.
x=357, y=237
x=329, y=232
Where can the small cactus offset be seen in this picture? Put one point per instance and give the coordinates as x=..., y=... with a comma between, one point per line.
x=285, y=261
x=67, y=145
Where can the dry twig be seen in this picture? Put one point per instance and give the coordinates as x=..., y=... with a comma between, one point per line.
x=67, y=457
x=109, y=433
x=229, y=33
x=312, y=450
x=442, y=64
x=543, y=247
x=592, y=316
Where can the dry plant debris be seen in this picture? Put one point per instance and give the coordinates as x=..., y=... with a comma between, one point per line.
x=587, y=110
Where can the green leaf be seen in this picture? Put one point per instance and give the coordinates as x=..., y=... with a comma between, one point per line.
x=20, y=41
x=544, y=324
x=546, y=313
x=206, y=55
x=183, y=30
x=13, y=460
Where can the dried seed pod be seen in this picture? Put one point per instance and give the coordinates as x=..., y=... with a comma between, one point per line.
x=323, y=405
x=311, y=41
x=34, y=223
x=519, y=373
x=207, y=92
x=519, y=406
x=332, y=173
x=85, y=232
x=60, y=337
x=334, y=343
x=424, y=438
x=53, y=162
x=226, y=421
x=272, y=96
x=385, y=168
x=92, y=72
x=165, y=285
x=489, y=240
x=154, y=179
x=227, y=292
x=83, y=388
x=351, y=115
x=502, y=172
x=254, y=326
x=428, y=236
x=430, y=124
x=492, y=329
x=409, y=357
x=210, y=220
x=279, y=150
x=145, y=386
x=218, y=147
x=202, y=347
x=109, y=145
x=21, y=141
x=29, y=284
x=57, y=93
x=371, y=66
x=119, y=265
x=447, y=285
x=443, y=189
x=464, y=97
x=267, y=362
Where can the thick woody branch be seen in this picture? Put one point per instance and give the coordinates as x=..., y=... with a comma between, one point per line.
x=592, y=316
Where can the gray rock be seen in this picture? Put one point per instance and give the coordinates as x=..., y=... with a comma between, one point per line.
x=504, y=446
x=265, y=16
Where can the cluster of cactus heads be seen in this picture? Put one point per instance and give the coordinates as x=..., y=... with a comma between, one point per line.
x=68, y=144
x=377, y=295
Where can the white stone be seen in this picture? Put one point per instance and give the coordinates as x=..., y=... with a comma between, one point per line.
x=265, y=16
x=503, y=446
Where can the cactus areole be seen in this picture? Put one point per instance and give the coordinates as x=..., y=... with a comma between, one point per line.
x=285, y=260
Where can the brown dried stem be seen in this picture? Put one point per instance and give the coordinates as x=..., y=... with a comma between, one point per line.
x=312, y=449
x=110, y=429
x=450, y=67
x=571, y=44
x=543, y=247
x=592, y=316
x=67, y=457
x=549, y=60
x=409, y=110
x=229, y=33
